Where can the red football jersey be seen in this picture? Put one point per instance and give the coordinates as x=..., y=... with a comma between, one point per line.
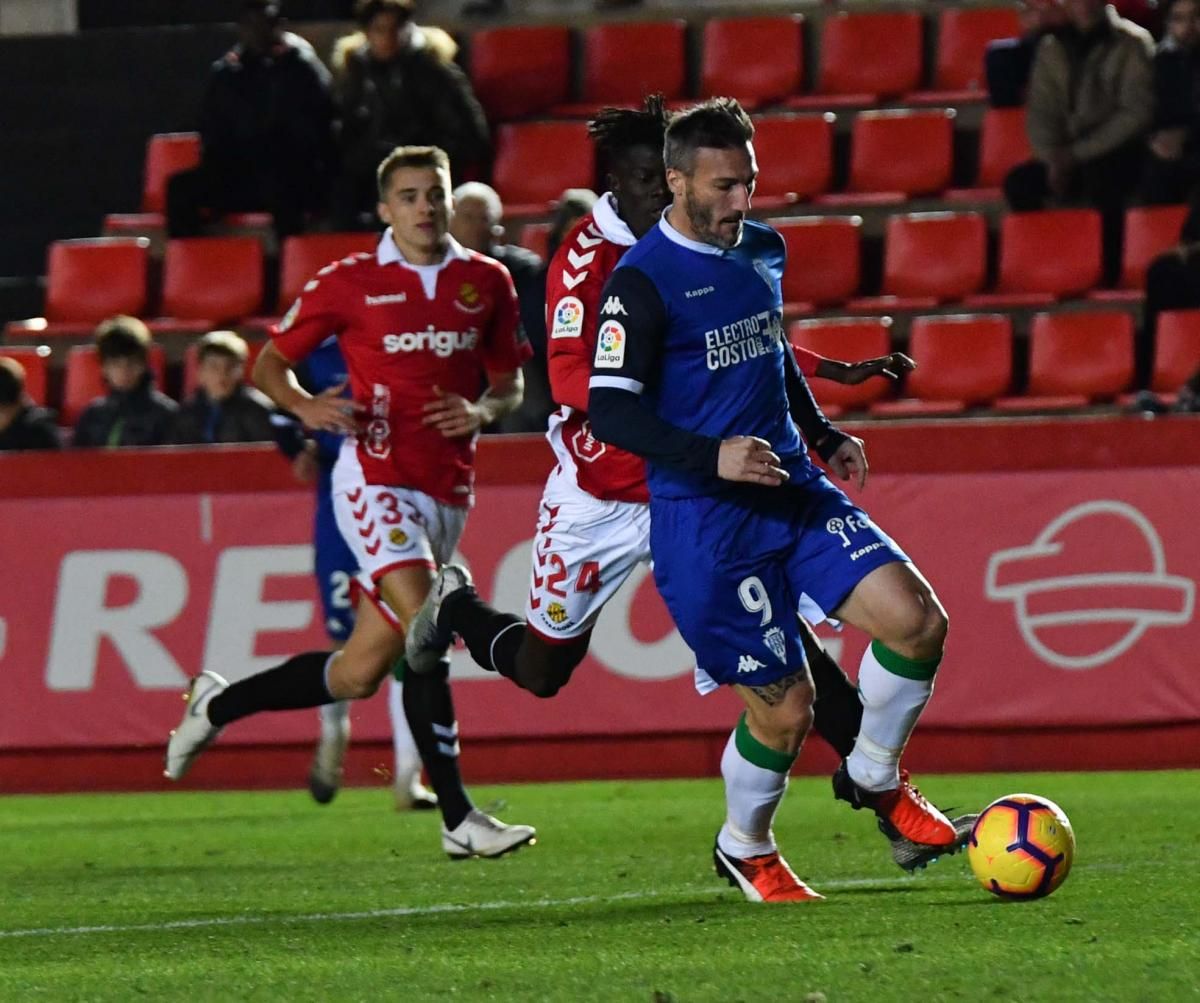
x=404, y=330
x=576, y=276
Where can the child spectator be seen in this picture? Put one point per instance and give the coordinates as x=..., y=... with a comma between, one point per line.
x=23, y=425
x=223, y=408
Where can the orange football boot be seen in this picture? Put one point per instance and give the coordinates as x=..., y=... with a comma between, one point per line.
x=905, y=807
x=765, y=878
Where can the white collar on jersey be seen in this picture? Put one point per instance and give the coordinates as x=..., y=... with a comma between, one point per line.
x=614, y=229
x=388, y=253
x=676, y=237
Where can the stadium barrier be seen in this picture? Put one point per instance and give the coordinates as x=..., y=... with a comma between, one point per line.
x=1065, y=551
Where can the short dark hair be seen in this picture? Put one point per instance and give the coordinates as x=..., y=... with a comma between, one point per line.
x=718, y=123
x=410, y=156
x=122, y=337
x=617, y=130
x=12, y=381
x=365, y=11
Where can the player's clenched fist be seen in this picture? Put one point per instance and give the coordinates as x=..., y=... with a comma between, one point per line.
x=750, y=459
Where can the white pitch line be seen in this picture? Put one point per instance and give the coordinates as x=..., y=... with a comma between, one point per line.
x=427, y=910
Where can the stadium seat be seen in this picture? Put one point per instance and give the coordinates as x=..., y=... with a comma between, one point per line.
x=930, y=258
x=1176, y=350
x=35, y=360
x=623, y=62
x=962, y=360
x=865, y=58
x=88, y=280
x=302, y=256
x=1149, y=231
x=84, y=382
x=209, y=281
x=191, y=363
x=822, y=260
x=1075, y=359
x=166, y=153
x=897, y=154
x=1045, y=256
x=795, y=158
x=1003, y=143
x=520, y=72
x=963, y=35
x=732, y=63
x=850, y=339
x=536, y=161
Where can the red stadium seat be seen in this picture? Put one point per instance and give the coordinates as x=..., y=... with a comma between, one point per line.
x=898, y=154
x=795, y=157
x=962, y=360
x=865, y=58
x=520, y=72
x=167, y=153
x=35, y=360
x=211, y=280
x=822, y=260
x=963, y=35
x=1149, y=231
x=852, y=340
x=1076, y=358
x=84, y=381
x=302, y=256
x=1045, y=256
x=733, y=65
x=1003, y=143
x=623, y=62
x=930, y=258
x=1176, y=350
x=191, y=364
x=536, y=161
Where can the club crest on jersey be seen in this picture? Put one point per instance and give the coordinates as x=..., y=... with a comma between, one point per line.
x=610, y=345
x=568, y=318
x=776, y=642
x=764, y=273
x=469, y=300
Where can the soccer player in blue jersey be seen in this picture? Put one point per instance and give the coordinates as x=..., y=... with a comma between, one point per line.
x=692, y=371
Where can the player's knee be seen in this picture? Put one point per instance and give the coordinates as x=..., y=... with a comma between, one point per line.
x=791, y=720
x=355, y=681
x=919, y=627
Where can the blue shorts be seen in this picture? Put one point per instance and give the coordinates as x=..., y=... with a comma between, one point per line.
x=335, y=564
x=734, y=570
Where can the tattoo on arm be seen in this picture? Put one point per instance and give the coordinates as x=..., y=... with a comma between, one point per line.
x=773, y=693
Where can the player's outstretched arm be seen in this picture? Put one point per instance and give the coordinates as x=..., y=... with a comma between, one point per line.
x=853, y=373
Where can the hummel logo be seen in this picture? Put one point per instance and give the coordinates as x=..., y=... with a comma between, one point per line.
x=387, y=298
x=748, y=664
x=614, y=306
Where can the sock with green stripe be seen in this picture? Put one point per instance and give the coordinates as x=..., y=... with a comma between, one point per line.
x=755, y=779
x=894, y=690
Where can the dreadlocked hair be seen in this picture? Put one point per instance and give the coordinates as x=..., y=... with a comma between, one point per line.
x=615, y=130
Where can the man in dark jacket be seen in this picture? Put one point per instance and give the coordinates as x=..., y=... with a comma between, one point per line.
x=223, y=408
x=266, y=128
x=1173, y=157
x=133, y=413
x=22, y=424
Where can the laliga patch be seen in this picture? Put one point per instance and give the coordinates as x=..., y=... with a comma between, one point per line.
x=568, y=318
x=610, y=345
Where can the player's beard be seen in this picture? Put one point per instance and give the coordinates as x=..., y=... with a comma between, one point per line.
x=703, y=221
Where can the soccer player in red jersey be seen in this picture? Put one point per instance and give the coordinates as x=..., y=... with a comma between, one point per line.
x=422, y=324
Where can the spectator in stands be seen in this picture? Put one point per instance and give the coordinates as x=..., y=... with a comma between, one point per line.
x=223, y=408
x=1172, y=283
x=1007, y=62
x=1091, y=102
x=398, y=86
x=133, y=413
x=266, y=129
x=1173, y=158
x=23, y=425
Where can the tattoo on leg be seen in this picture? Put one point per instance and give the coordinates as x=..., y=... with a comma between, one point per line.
x=773, y=693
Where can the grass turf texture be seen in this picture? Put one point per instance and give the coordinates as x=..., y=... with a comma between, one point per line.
x=273, y=897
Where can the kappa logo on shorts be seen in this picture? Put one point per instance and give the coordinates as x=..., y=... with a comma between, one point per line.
x=749, y=664
x=556, y=613
x=776, y=641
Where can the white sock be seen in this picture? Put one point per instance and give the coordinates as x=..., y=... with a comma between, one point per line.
x=893, y=692
x=408, y=760
x=755, y=780
x=335, y=719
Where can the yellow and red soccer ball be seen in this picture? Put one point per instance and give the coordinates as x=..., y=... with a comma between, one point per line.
x=1021, y=847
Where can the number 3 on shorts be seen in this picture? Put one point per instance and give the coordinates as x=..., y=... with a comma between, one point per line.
x=754, y=598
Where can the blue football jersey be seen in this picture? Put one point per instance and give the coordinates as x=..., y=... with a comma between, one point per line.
x=697, y=331
x=322, y=369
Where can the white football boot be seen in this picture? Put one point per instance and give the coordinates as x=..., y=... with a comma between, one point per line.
x=425, y=644
x=194, y=733
x=480, y=835
x=325, y=775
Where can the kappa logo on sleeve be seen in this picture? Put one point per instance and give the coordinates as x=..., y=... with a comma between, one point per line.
x=610, y=345
x=613, y=306
x=568, y=318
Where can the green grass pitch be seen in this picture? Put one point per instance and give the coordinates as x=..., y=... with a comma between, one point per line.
x=266, y=896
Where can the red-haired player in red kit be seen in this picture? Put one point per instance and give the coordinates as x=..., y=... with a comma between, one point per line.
x=422, y=324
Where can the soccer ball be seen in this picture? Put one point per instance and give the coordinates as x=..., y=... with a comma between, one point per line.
x=1021, y=847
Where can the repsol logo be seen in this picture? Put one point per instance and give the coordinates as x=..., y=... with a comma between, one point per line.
x=441, y=343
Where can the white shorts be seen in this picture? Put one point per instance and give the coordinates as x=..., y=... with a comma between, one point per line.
x=584, y=550
x=388, y=528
